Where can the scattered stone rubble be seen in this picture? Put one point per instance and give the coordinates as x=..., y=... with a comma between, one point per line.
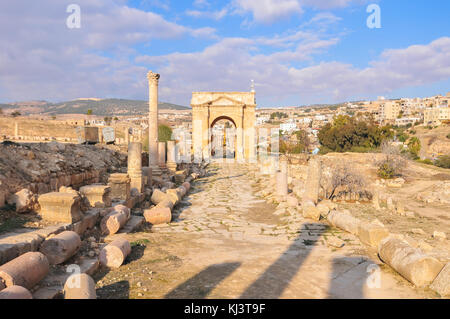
x=410, y=259
x=30, y=169
x=81, y=223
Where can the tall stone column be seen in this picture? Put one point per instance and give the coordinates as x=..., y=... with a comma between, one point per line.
x=162, y=155
x=153, y=80
x=126, y=132
x=281, y=183
x=312, y=186
x=135, y=166
x=171, y=156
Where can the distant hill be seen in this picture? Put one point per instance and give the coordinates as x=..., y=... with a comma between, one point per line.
x=103, y=107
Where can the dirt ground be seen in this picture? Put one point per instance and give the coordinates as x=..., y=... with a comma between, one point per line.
x=224, y=242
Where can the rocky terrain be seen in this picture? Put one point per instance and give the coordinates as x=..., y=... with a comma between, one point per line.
x=42, y=167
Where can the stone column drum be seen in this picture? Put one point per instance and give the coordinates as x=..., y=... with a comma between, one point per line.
x=26, y=270
x=114, y=254
x=61, y=247
x=15, y=293
x=135, y=166
x=312, y=186
x=282, y=184
x=171, y=156
x=153, y=81
x=80, y=286
x=162, y=155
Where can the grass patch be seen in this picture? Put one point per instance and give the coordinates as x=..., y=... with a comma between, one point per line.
x=140, y=242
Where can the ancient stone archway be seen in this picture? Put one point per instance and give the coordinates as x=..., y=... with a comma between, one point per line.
x=239, y=107
x=223, y=138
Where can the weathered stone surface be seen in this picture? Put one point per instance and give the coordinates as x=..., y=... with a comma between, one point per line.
x=400, y=207
x=60, y=207
x=22, y=200
x=97, y=195
x=156, y=216
x=165, y=204
x=180, y=176
x=372, y=234
x=112, y=223
x=323, y=209
x=187, y=186
x=335, y=242
x=411, y=263
x=171, y=156
x=310, y=210
x=439, y=235
x=26, y=270
x=292, y=201
x=135, y=166
x=182, y=191
x=312, y=186
x=158, y=196
x=281, y=183
x=61, y=247
x=344, y=221
x=114, y=254
x=120, y=186
x=174, y=196
x=15, y=292
x=442, y=282
x=80, y=286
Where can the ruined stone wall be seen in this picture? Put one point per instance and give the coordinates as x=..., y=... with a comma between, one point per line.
x=44, y=167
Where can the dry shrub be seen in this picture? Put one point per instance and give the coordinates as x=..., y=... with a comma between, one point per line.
x=393, y=163
x=344, y=180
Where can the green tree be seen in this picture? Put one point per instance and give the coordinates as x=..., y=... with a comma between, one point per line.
x=351, y=134
x=443, y=161
x=89, y=112
x=414, y=147
x=16, y=114
x=164, y=133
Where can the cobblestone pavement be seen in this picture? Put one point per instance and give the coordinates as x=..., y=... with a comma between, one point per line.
x=225, y=242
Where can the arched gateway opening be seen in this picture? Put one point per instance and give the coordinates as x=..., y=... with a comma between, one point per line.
x=210, y=108
x=223, y=138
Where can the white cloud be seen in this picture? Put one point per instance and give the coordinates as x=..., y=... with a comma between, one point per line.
x=42, y=58
x=231, y=63
x=269, y=11
x=216, y=15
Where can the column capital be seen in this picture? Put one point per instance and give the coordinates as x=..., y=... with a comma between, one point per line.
x=153, y=76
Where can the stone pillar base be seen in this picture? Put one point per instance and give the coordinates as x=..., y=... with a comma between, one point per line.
x=156, y=170
x=172, y=167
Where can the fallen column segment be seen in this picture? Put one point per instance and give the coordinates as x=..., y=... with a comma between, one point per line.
x=411, y=263
x=80, y=286
x=113, y=222
x=61, y=247
x=344, y=221
x=114, y=254
x=26, y=270
x=15, y=292
x=158, y=215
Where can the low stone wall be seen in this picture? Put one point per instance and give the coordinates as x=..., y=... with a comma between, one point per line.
x=45, y=167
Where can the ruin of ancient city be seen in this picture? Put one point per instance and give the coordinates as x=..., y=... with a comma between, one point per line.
x=225, y=150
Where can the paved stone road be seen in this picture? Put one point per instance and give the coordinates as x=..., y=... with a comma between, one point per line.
x=225, y=242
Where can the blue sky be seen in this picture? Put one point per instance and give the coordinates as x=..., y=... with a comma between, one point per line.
x=298, y=52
